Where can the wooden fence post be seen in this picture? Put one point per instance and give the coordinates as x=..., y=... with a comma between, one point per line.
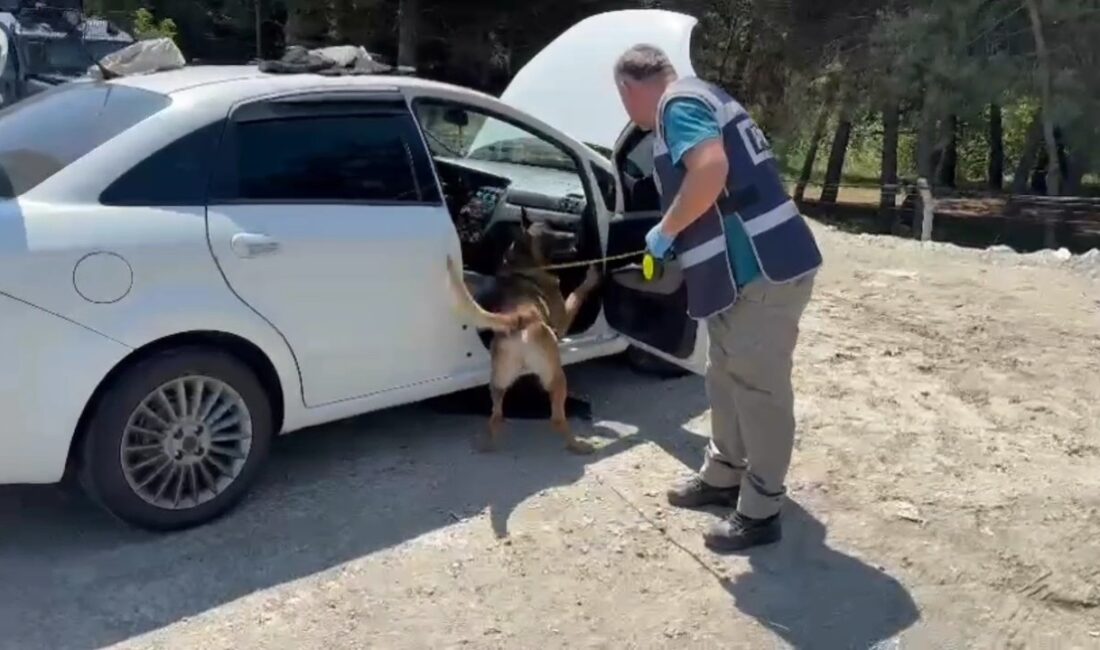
x=925, y=211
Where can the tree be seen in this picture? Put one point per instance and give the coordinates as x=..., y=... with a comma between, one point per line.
x=947, y=167
x=891, y=123
x=147, y=27
x=1054, y=169
x=949, y=84
x=1028, y=157
x=408, y=21
x=811, y=153
x=307, y=23
x=995, y=170
x=837, y=153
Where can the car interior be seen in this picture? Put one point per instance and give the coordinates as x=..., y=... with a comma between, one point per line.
x=490, y=187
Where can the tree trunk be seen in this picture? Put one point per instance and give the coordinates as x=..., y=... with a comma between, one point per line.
x=835, y=171
x=1064, y=162
x=926, y=139
x=1028, y=157
x=1054, y=171
x=1075, y=173
x=811, y=153
x=995, y=171
x=949, y=159
x=731, y=36
x=891, y=122
x=355, y=21
x=408, y=19
x=306, y=24
x=737, y=84
x=259, y=27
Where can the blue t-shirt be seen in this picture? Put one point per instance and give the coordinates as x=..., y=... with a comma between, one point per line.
x=687, y=122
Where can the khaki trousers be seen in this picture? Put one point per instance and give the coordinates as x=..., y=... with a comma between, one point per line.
x=751, y=397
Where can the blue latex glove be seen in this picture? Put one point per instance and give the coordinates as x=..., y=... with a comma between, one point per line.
x=657, y=242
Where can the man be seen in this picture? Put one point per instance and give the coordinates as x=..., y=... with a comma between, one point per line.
x=749, y=260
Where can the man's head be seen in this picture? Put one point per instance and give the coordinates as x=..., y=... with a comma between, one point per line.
x=642, y=74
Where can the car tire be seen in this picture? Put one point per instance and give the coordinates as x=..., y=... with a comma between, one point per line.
x=177, y=439
x=647, y=364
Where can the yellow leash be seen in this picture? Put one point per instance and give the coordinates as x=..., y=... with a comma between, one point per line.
x=651, y=266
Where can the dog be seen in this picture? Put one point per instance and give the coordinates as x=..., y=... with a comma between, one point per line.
x=532, y=317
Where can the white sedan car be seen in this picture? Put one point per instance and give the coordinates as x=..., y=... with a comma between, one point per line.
x=195, y=261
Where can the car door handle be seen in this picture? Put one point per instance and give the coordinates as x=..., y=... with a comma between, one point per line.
x=250, y=244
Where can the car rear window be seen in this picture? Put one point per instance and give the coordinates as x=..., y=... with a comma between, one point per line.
x=45, y=133
x=178, y=174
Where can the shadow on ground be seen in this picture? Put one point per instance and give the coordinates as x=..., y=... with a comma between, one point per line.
x=71, y=577
x=814, y=596
x=808, y=593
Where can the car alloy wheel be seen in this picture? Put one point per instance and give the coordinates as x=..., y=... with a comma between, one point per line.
x=177, y=438
x=186, y=442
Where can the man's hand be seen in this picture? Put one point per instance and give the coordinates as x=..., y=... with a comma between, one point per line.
x=658, y=242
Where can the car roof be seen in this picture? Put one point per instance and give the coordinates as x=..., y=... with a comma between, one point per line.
x=243, y=81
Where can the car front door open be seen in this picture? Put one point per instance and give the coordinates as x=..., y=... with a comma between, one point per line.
x=651, y=313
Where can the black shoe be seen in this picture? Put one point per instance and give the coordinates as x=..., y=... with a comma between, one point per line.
x=740, y=533
x=695, y=493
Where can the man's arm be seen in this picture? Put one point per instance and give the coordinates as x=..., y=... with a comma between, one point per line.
x=704, y=182
x=694, y=140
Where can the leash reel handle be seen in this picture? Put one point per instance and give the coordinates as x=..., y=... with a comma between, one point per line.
x=653, y=268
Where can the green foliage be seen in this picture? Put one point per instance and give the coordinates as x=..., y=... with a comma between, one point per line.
x=147, y=27
x=942, y=61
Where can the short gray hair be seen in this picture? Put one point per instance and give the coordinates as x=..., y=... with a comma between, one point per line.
x=642, y=63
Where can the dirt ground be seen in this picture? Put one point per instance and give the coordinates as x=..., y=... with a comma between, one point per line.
x=945, y=494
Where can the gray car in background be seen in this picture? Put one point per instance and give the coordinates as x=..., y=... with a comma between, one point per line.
x=47, y=43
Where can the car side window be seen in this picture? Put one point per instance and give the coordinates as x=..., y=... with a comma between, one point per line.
x=636, y=168
x=606, y=182
x=365, y=158
x=178, y=174
x=639, y=161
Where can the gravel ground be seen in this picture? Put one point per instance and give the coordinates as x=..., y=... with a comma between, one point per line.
x=945, y=494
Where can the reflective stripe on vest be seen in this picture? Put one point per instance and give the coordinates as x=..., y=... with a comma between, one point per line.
x=783, y=244
x=700, y=248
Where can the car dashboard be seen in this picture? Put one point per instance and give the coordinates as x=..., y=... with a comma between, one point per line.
x=548, y=194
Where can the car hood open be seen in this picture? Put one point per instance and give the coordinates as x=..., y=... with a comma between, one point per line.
x=569, y=83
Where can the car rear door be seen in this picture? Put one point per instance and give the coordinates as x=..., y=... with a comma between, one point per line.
x=326, y=219
x=650, y=314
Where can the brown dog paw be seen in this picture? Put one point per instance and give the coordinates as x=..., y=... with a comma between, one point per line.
x=581, y=447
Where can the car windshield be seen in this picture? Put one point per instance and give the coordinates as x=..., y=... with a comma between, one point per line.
x=459, y=133
x=527, y=150
x=603, y=151
x=44, y=133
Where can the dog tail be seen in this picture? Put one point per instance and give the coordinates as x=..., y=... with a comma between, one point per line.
x=478, y=316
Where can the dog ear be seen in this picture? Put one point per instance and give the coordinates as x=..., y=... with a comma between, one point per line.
x=525, y=219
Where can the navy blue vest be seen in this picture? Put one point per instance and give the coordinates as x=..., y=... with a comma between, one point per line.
x=783, y=243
